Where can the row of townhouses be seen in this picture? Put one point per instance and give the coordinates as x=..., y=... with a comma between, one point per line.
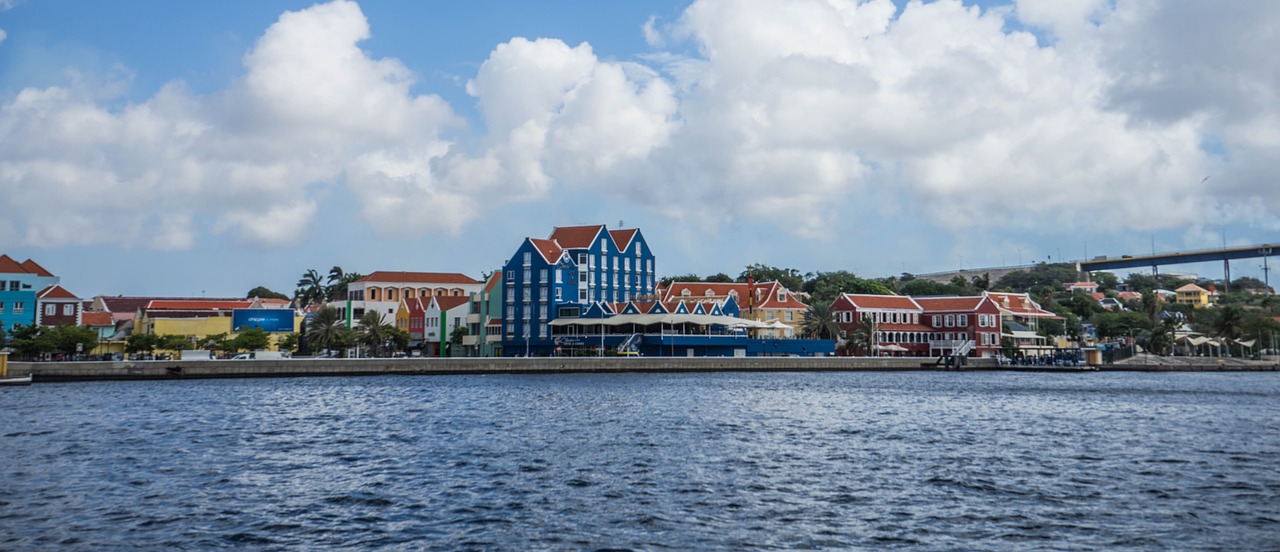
x=582, y=290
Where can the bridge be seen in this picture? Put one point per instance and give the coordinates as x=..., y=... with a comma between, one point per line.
x=1226, y=255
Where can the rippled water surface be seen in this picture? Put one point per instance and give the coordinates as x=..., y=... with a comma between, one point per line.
x=647, y=461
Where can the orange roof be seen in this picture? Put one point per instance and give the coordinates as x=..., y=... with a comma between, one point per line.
x=622, y=238
x=56, y=292
x=1192, y=288
x=943, y=304
x=392, y=277
x=196, y=304
x=446, y=302
x=769, y=297
x=549, y=249
x=10, y=266
x=899, y=302
x=576, y=237
x=675, y=290
x=36, y=269
x=493, y=281
x=1018, y=304
x=96, y=318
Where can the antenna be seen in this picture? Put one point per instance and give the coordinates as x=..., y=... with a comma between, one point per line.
x=619, y=223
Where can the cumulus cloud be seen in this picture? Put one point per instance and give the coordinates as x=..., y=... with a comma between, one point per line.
x=787, y=114
x=3, y=35
x=252, y=160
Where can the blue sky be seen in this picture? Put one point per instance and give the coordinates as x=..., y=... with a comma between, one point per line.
x=173, y=148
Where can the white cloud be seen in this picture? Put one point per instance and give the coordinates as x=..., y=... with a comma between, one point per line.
x=3, y=35
x=788, y=115
x=251, y=160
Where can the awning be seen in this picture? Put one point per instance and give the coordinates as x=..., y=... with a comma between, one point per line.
x=651, y=319
x=1016, y=334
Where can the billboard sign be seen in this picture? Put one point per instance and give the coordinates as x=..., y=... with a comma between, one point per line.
x=270, y=320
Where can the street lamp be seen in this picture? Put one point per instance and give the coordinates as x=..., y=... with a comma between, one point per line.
x=526, y=342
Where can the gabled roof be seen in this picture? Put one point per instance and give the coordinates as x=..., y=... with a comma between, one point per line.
x=393, y=277
x=896, y=302
x=494, y=280
x=576, y=237
x=622, y=238
x=10, y=266
x=950, y=304
x=769, y=297
x=675, y=290
x=449, y=302
x=33, y=268
x=56, y=292
x=414, y=306
x=96, y=318
x=549, y=249
x=1191, y=288
x=1018, y=304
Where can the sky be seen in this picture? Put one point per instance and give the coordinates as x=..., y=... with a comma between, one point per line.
x=171, y=148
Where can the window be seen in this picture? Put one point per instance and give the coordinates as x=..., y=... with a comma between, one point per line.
x=582, y=295
x=542, y=293
x=527, y=292
x=50, y=309
x=951, y=320
x=626, y=265
x=895, y=318
x=559, y=295
x=511, y=312
x=782, y=296
x=13, y=285
x=962, y=320
x=582, y=260
x=937, y=320
x=542, y=275
x=528, y=258
x=1, y=307
x=18, y=307
x=542, y=312
x=604, y=245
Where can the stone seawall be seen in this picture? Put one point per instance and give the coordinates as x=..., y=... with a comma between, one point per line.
x=161, y=369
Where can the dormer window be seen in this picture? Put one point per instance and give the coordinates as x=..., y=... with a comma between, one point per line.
x=710, y=293
x=782, y=296
x=685, y=292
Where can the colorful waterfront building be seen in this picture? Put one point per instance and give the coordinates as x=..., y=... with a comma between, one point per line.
x=564, y=276
x=484, y=321
x=19, y=284
x=768, y=302
x=383, y=290
x=922, y=326
x=56, y=306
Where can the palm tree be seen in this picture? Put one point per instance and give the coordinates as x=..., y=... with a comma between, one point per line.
x=338, y=280
x=373, y=332
x=819, y=323
x=862, y=339
x=311, y=289
x=326, y=328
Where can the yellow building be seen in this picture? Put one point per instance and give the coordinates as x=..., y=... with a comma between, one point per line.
x=1193, y=295
x=197, y=319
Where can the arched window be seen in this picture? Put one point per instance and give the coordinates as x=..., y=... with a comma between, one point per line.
x=373, y=294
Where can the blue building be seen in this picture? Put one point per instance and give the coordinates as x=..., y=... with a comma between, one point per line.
x=564, y=275
x=19, y=284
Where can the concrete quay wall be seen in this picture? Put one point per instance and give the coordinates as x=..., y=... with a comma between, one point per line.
x=152, y=370
x=129, y=370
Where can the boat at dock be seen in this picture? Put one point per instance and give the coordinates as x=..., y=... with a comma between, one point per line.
x=16, y=380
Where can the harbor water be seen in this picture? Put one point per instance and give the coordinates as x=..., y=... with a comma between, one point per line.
x=716, y=461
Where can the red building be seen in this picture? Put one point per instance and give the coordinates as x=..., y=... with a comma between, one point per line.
x=57, y=306
x=926, y=326
x=957, y=323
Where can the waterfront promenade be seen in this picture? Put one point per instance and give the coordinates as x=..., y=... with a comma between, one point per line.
x=304, y=367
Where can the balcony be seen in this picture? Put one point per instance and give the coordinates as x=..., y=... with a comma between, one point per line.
x=473, y=318
x=470, y=340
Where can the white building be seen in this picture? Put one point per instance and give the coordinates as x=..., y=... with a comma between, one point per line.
x=382, y=291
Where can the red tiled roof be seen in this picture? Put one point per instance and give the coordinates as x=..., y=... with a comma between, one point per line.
x=675, y=290
x=196, y=304
x=127, y=305
x=1018, y=304
x=446, y=302
x=1192, y=288
x=56, y=292
x=899, y=302
x=10, y=266
x=393, y=277
x=576, y=237
x=494, y=279
x=944, y=304
x=622, y=238
x=549, y=249
x=36, y=269
x=769, y=297
x=96, y=318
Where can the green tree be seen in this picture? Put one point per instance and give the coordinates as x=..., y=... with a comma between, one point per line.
x=141, y=343
x=399, y=338
x=212, y=341
x=455, y=339
x=926, y=288
x=1228, y=322
x=71, y=339
x=819, y=323
x=862, y=337
x=372, y=333
x=719, y=278
x=169, y=342
x=311, y=289
x=825, y=287
x=326, y=329
x=690, y=277
x=1041, y=275
x=788, y=277
x=1118, y=324
x=288, y=342
x=252, y=339
x=263, y=292
x=336, y=290
x=30, y=341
